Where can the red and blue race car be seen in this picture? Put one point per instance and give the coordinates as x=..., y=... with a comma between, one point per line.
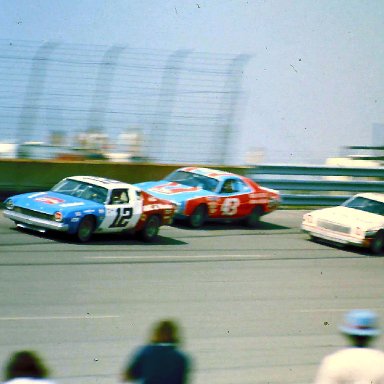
x=203, y=194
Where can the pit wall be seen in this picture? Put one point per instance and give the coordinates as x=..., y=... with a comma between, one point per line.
x=19, y=175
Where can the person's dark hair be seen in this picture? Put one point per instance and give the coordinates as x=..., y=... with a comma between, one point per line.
x=166, y=331
x=25, y=364
x=360, y=341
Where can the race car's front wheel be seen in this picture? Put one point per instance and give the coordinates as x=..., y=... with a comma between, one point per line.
x=198, y=217
x=150, y=229
x=253, y=220
x=86, y=228
x=377, y=245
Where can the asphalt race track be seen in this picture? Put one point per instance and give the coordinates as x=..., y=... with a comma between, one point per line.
x=256, y=306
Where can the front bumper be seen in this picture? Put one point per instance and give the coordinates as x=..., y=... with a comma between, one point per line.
x=32, y=222
x=273, y=204
x=335, y=237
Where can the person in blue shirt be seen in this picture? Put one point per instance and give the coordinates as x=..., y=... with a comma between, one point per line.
x=161, y=361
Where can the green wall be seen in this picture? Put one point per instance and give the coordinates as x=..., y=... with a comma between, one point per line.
x=18, y=175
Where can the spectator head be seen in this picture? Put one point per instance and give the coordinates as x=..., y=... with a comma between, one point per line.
x=360, y=326
x=165, y=331
x=25, y=364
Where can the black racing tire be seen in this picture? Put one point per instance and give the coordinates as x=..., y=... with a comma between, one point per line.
x=377, y=245
x=151, y=229
x=85, y=229
x=253, y=220
x=198, y=216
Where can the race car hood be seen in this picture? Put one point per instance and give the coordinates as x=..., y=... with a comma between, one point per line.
x=172, y=191
x=50, y=202
x=349, y=217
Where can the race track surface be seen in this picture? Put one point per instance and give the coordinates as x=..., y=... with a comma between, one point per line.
x=256, y=306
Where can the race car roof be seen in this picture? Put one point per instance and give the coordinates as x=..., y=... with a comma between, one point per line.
x=103, y=182
x=213, y=173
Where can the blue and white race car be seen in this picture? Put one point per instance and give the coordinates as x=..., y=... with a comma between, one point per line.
x=83, y=205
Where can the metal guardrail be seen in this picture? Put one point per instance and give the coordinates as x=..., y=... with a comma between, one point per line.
x=316, y=170
x=337, y=183
x=302, y=185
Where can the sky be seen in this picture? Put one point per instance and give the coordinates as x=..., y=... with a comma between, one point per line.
x=314, y=82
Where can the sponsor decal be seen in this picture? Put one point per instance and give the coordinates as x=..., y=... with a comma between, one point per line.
x=258, y=201
x=217, y=174
x=148, y=208
x=207, y=172
x=71, y=204
x=190, y=169
x=173, y=188
x=212, y=206
x=49, y=200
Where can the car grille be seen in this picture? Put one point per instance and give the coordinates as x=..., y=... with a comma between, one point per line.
x=30, y=212
x=333, y=227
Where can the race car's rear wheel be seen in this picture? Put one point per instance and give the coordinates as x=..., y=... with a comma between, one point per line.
x=253, y=220
x=377, y=245
x=198, y=217
x=150, y=229
x=86, y=228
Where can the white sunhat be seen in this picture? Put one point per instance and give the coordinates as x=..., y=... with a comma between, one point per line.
x=361, y=322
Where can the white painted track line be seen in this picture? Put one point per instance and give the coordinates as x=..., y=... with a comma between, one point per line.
x=65, y=317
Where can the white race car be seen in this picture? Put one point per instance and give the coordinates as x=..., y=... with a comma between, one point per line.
x=359, y=221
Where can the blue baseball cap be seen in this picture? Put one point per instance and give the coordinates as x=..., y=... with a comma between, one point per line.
x=361, y=322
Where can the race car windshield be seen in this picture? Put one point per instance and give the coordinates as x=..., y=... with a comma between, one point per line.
x=193, y=180
x=80, y=189
x=364, y=204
